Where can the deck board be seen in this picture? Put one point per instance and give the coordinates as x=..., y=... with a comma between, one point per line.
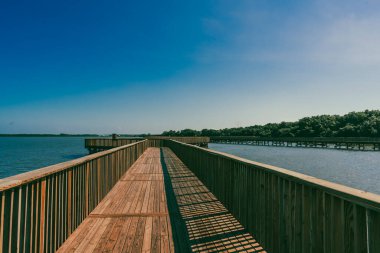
x=133, y=217
x=210, y=227
x=159, y=205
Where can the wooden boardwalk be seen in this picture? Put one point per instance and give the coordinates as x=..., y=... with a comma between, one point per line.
x=159, y=205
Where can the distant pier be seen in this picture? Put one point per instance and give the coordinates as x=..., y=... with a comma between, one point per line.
x=347, y=143
x=100, y=144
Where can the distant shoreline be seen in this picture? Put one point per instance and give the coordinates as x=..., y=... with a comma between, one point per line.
x=64, y=135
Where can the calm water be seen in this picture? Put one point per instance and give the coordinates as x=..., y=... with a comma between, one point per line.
x=21, y=154
x=360, y=170
x=356, y=169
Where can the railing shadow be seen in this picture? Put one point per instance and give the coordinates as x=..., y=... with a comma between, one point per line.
x=180, y=236
x=207, y=224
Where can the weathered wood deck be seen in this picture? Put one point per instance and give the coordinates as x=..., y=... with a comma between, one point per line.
x=141, y=197
x=159, y=205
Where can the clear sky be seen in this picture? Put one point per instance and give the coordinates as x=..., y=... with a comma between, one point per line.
x=148, y=66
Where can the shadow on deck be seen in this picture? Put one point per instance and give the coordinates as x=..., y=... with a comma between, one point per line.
x=196, y=214
x=159, y=205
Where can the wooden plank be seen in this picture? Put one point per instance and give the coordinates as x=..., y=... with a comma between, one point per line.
x=78, y=235
x=130, y=235
x=91, y=240
x=119, y=244
x=134, y=211
x=105, y=237
x=113, y=235
x=147, y=241
x=139, y=235
x=156, y=238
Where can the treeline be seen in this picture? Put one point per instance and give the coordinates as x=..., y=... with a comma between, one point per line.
x=353, y=124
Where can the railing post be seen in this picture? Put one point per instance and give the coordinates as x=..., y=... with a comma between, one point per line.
x=86, y=188
x=42, y=215
x=373, y=231
x=69, y=200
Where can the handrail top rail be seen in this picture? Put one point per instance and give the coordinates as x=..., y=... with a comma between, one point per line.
x=118, y=138
x=23, y=178
x=162, y=137
x=369, y=199
x=151, y=137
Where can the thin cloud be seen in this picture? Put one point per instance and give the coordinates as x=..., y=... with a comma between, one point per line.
x=325, y=33
x=352, y=41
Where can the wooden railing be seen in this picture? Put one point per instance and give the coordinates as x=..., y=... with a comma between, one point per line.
x=288, y=211
x=41, y=208
x=96, y=144
x=189, y=140
x=109, y=143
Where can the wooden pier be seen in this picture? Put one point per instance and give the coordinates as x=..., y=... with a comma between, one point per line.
x=168, y=196
x=100, y=144
x=94, y=145
x=347, y=143
x=136, y=215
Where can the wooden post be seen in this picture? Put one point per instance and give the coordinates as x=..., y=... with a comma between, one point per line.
x=69, y=201
x=42, y=215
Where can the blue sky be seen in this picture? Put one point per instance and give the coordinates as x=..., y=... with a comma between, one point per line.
x=149, y=66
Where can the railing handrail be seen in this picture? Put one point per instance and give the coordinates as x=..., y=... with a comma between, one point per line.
x=24, y=178
x=155, y=137
x=368, y=199
x=118, y=138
